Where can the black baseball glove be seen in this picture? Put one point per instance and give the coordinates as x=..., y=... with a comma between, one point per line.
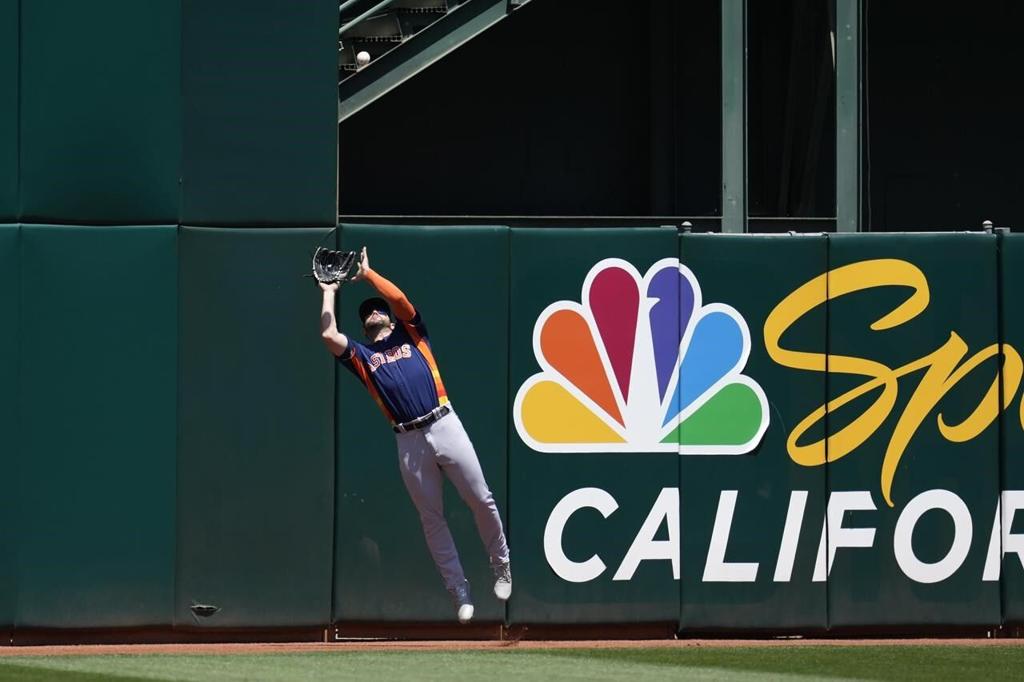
x=334, y=266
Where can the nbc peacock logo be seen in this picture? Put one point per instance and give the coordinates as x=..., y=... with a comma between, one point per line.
x=641, y=364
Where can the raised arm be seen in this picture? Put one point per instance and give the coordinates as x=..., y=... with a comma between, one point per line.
x=335, y=341
x=392, y=294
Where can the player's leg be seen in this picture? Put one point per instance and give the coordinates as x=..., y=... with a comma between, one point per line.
x=459, y=461
x=424, y=481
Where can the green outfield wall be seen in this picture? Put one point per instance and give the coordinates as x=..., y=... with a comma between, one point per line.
x=259, y=103
x=97, y=409
x=916, y=447
x=1011, y=426
x=712, y=433
x=212, y=112
x=106, y=149
x=791, y=433
x=255, y=442
x=544, y=271
x=458, y=279
x=10, y=422
x=9, y=75
x=775, y=588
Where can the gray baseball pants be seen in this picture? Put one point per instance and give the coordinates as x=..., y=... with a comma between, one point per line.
x=423, y=455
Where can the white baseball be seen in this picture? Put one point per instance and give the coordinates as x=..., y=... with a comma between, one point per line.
x=363, y=58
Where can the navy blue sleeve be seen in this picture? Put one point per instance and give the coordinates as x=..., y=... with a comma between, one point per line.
x=354, y=354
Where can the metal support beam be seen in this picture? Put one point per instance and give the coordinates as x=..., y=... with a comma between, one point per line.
x=734, y=116
x=393, y=68
x=345, y=5
x=849, y=77
x=366, y=14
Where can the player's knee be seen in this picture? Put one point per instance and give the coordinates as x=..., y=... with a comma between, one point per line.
x=482, y=500
x=432, y=518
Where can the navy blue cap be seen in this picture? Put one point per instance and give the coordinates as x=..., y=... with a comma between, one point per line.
x=373, y=304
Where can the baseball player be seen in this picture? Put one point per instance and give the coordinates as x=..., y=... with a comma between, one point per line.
x=398, y=368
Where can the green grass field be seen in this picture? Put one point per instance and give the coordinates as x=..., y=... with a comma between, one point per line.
x=635, y=665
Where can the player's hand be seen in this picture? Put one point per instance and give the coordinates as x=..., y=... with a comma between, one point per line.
x=332, y=288
x=364, y=266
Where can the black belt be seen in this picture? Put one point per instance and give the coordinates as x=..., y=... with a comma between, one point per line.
x=421, y=422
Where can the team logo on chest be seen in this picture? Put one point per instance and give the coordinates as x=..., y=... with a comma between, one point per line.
x=390, y=355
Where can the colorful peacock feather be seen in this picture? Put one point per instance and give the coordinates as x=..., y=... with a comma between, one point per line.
x=641, y=365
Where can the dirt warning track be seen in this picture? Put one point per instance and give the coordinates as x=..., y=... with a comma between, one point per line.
x=355, y=646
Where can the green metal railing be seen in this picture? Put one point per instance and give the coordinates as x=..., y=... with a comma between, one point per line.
x=376, y=9
x=423, y=33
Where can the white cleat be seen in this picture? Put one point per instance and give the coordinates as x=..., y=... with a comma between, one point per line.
x=463, y=602
x=502, y=581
